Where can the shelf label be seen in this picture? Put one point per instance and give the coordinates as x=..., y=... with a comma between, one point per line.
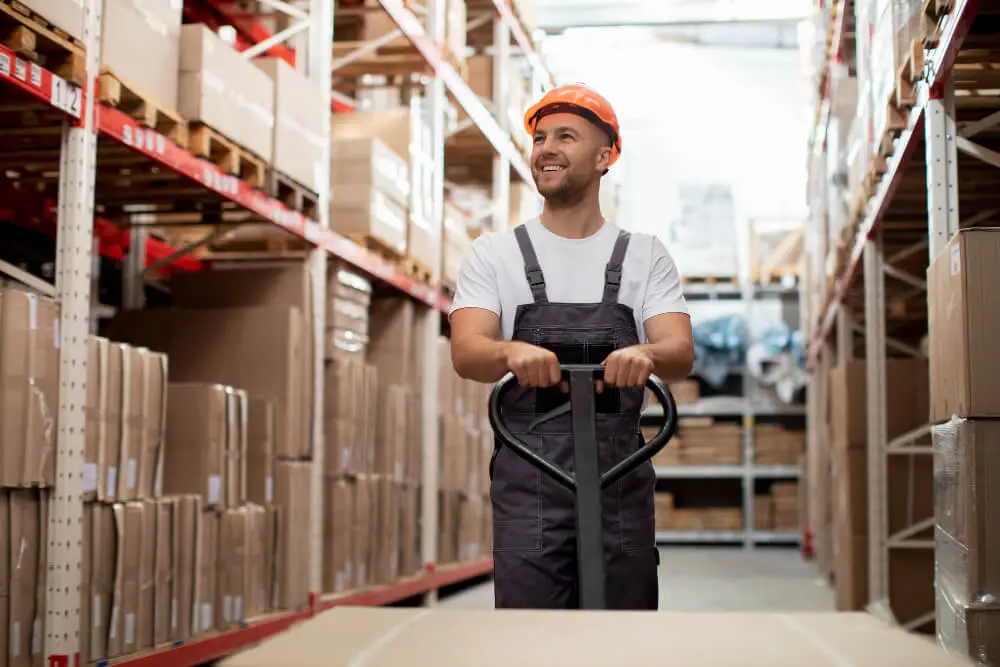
x=224, y=183
x=21, y=69
x=147, y=140
x=67, y=97
x=4, y=64
x=36, y=75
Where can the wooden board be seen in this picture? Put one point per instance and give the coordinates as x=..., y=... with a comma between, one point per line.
x=33, y=38
x=292, y=194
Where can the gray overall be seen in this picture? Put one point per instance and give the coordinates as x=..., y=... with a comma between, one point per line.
x=534, y=536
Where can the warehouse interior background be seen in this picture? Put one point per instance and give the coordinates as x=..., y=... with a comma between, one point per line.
x=230, y=234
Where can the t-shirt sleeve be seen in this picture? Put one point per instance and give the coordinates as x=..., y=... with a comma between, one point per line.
x=478, y=286
x=664, y=293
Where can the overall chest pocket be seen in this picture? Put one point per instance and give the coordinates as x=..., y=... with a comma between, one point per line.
x=577, y=345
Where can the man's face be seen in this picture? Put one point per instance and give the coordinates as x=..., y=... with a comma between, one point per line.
x=568, y=154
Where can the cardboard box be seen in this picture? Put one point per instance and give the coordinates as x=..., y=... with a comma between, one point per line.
x=206, y=578
x=344, y=416
x=392, y=348
x=153, y=418
x=232, y=567
x=297, y=146
x=358, y=210
x=66, y=15
x=361, y=530
x=261, y=434
x=274, y=554
x=185, y=618
x=393, y=436
x=94, y=468
x=99, y=570
x=213, y=345
x=293, y=492
x=256, y=579
x=285, y=286
x=235, y=480
x=962, y=310
x=146, y=612
x=968, y=544
x=224, y=90
x=456, y=246
x=125, y=597
x=25, y=539
x=140, y=43
x=369, y=161
x=165, y=563
x=197, y=437
x=29, y=398
x=906, y=400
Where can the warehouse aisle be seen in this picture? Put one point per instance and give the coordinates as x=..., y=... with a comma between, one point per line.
x=717, y=579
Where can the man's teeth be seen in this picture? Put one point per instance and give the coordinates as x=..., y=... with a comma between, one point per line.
x=551, y=168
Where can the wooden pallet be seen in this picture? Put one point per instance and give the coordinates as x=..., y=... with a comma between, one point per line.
x=415, y=269
x=33, y=38
x=139, y=106
x=930, y=16
x=378, y=247
x=909, y=73
x=293, y=195
x=227, y=155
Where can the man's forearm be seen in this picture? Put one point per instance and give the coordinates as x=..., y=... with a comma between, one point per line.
x=479, y=358
x=672, y=358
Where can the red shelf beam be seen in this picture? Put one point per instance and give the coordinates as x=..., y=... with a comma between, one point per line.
x=943, y=57
x=219, y=645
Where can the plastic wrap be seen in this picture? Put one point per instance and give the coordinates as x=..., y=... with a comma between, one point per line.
x=967, y=537
x=777, y=359
x=720, y=345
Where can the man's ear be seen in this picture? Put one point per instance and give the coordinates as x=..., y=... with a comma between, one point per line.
x=604, y=158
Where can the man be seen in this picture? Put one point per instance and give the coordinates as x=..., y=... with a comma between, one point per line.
x=570, y=287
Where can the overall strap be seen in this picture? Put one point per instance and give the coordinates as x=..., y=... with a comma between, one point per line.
x=532, y=269
x=613, y=271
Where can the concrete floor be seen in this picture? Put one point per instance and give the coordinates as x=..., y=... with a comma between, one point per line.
x=717, y=579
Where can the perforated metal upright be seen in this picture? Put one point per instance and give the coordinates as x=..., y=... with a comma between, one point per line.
x=501, y=93
x=434, y=120
x=74, y=247
x=320, y=72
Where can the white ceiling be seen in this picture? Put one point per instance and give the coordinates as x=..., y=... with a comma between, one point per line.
x=554, y=15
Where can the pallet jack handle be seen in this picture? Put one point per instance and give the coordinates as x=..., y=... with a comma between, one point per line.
x=587, y=482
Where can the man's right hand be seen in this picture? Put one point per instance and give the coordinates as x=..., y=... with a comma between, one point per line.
x=532, y=365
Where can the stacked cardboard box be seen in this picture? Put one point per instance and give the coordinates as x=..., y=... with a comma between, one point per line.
x=141, y=44
x=466, y=453
x=377, y=24
x=370, y=189
x=701, y=441
x=785, y=506
x=909, y=478
x=456, y=245
x=777, y=445
x=403, y=132
x=965, y=410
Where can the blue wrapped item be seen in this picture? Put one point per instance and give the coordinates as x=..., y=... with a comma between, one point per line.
x=719, y=346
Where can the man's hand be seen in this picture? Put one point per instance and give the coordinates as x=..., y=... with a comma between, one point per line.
x=626, y=368
x=534, y=366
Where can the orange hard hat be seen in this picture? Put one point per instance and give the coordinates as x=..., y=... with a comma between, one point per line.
x=581, y=100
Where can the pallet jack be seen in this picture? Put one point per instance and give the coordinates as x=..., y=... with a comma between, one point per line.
x=586, y=481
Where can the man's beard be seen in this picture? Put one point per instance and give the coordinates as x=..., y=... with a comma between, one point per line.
x=568, y=193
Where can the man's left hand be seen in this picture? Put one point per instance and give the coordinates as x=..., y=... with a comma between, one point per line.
x=626, y=368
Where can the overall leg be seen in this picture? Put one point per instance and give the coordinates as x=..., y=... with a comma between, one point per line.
x=632, y=559
x=533, y=547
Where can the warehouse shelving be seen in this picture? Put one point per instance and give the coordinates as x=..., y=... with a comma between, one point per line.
x=80, y=130
x=935, y=182
x=748, y=407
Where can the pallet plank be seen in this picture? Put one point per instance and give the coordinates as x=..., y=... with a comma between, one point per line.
x=32, y=37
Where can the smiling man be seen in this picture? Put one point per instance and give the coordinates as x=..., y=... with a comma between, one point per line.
x=570, y=287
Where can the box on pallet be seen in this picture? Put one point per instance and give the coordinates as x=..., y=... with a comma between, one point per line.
x=223, y=90
x=66, y=15
x=297, y=141
x=967, y=542
x=348, y=299
x=377, y=24
x=293, y=482
x=402, y=130
x=29, y=370
x=141, y=46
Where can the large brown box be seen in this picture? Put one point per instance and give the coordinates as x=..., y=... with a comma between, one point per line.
x=94, y=470
x=963, y=311
x=297, y=143
x=393, y=437
x=215, y=345
x=206, y=583
x=906, y=401
x=140, y=43
x=165, y=565
x=29, y=388
x=409, y=559
x=197, y=439
x=152, y=422
x=99, y=567
x=338, y=516
x=344, y=415
x=286, y=286
x=184, y=617
x=261, y=434
x=232, y=566
x=966, y=464
x=358, y=210
x=26, y=524
x=293, y=492
x=146, y=613
x=361, y=530
x=129, y=524
x=256, y=579
x=369, y=162
x=387, y=531
x=222, y=89
x=274, y=555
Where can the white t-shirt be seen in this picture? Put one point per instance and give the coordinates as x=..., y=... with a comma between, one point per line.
x=492, y=275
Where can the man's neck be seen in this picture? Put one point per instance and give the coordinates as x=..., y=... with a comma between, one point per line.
x=573, y=221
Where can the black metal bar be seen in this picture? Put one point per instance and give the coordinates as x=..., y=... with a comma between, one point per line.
x=589, y=529
x=508, y=439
